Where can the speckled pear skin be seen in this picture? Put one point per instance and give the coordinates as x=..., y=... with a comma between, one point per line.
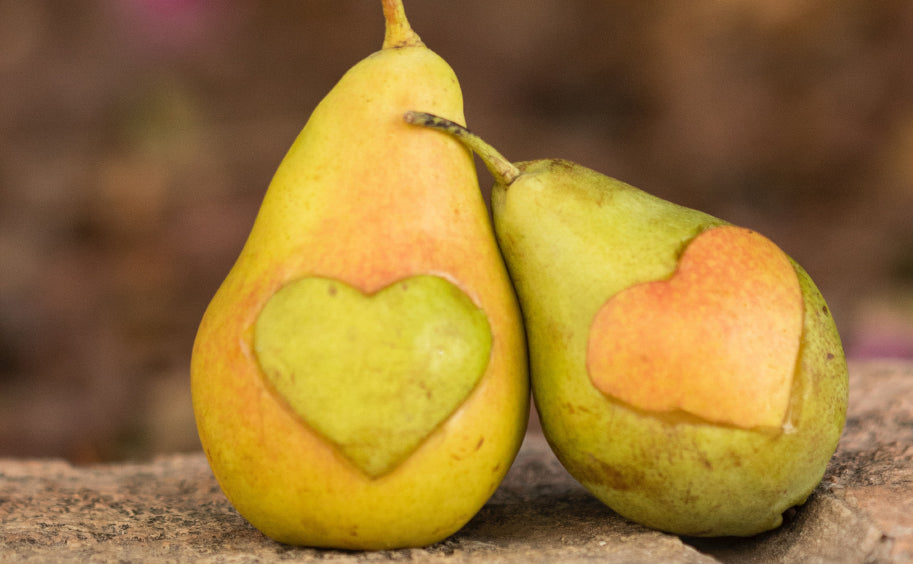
x=574, y=239
x=369, y=206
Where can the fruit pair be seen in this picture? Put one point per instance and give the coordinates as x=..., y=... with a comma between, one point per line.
x=359, y=379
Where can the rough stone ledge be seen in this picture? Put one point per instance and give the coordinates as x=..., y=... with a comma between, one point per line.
x=171, y=509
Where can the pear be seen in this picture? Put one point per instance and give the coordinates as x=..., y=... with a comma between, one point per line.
x=359, y=378
x=686, y=371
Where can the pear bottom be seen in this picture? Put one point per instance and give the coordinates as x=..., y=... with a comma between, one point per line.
x=690, y=478
x=696, y=482
x=297, y=490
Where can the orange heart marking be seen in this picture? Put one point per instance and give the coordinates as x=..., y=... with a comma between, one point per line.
x=719, y=339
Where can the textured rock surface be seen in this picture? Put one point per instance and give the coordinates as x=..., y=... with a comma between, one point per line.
x=171, y=509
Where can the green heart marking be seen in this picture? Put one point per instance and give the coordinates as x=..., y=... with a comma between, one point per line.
x=373, y=374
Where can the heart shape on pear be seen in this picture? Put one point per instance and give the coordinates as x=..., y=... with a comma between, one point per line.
x=718, y=340
x=373, y=374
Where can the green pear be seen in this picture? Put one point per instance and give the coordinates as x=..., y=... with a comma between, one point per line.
x=359, y=378
x=686, y=371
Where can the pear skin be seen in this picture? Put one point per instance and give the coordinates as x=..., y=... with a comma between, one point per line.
x=686, y=371
x=359, y=378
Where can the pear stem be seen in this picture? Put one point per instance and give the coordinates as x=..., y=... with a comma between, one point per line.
x=398, y=32
x=502, y=169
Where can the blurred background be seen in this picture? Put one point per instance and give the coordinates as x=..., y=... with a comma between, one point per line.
x=137, y=138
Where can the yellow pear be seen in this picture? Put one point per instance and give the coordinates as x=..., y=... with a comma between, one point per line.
x=359, y=379
x=686, y=371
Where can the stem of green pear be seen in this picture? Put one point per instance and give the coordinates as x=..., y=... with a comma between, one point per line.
x=502, y=169
x=398, y=31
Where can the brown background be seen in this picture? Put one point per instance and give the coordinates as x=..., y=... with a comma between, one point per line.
x=137, y=138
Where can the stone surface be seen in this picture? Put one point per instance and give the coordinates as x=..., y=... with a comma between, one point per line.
x=171, y=509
